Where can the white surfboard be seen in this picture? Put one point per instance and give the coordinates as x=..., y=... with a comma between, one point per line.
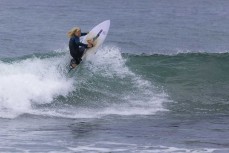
x=99, y=33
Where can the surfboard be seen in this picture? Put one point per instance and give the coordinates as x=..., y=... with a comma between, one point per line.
x=98, y=34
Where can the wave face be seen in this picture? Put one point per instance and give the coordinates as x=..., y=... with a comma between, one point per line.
x=198, y=83
x=103, y=85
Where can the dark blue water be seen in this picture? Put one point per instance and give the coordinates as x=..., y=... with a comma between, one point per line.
x=158, y=84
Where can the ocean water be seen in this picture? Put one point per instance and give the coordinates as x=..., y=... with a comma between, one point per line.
x=159, y=83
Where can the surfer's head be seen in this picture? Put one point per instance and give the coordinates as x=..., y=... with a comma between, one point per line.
x=74, y=32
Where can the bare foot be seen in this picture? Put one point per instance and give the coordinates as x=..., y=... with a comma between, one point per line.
x=74, y=65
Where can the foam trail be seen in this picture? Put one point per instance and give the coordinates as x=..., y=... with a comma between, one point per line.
x=30, y=81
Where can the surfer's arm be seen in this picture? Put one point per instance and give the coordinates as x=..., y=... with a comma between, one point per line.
x=82, y=44
x=78, y=43
x=84, y=33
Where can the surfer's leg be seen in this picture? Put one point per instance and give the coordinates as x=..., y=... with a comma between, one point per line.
x=73, y=63
x=81, y=51
x=77, y=57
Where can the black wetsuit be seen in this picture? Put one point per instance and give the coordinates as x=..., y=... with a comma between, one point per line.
x=77, y=48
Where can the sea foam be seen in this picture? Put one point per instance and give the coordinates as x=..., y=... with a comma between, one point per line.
x=30, y=81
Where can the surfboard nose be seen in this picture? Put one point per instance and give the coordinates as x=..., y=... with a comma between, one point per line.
x=107, y=23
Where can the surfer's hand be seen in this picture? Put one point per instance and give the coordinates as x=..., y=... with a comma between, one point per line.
x=90, y=41
x=89, y=45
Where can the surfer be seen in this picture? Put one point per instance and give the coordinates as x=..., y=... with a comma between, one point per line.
x=76, y=47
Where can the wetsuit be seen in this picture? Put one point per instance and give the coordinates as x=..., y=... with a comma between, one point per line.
x=77, y=48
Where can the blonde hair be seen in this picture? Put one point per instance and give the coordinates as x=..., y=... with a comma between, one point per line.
x=72, y=31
